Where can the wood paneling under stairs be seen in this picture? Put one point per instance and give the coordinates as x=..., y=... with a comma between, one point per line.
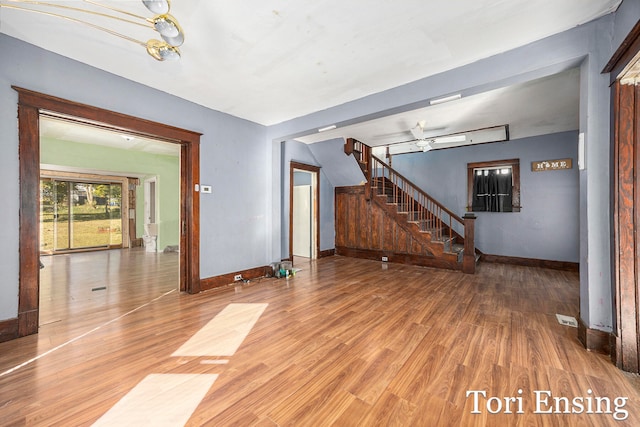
x=345, y=342
x=364, y=229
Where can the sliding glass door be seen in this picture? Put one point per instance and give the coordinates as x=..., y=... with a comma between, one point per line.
x=79, y=215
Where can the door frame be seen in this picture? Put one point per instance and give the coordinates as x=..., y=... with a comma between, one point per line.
x=30, y=105
x=315, y=170
x=625, y=204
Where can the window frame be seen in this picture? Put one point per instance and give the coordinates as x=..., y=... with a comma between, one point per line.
x=514, y=164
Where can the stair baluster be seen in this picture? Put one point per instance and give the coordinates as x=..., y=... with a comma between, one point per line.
x=428, y=213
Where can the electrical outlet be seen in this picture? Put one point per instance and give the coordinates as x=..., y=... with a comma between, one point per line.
x=237, y=277
x=385, y=259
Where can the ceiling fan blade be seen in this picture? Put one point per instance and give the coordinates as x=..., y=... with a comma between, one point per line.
x=417, y=131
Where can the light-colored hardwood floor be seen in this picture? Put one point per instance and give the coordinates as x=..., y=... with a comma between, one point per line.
x=344, y=342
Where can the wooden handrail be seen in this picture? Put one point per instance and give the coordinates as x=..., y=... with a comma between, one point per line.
x=362, y=153
x=418, y=189
x=420, y=206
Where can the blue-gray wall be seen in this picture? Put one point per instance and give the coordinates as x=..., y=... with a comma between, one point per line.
x=300, y=153
x=235, y=230
x=547, y=227
x=337, y=170
x=241, y=221
x=589, y=47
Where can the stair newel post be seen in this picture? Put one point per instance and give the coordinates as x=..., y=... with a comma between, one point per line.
x=469, y=257
x=348, y=146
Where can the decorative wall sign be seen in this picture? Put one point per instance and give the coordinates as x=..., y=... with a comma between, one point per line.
x=551, y=165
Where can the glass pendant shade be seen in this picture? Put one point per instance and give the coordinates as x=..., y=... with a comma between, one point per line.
x=158, y=7
x=162, y=51
x=166, y=25
x=174, y=41
x=169, y=29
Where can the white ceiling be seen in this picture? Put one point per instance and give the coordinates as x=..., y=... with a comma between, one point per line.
x=273, y=60
x=537, y=107
x=65, y=130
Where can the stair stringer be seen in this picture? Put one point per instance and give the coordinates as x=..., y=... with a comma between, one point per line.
x=366, y=228
x=435, y=248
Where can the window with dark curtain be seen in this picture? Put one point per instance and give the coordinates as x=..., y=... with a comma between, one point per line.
x=492, y=190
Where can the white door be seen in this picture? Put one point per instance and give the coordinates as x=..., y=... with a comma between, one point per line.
x=302, y=220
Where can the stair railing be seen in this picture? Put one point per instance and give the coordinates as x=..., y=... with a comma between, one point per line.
x=362, y=153
x=443, y=224
x=419, y=206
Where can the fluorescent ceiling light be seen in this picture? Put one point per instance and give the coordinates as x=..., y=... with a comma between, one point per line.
x=445, y=99
x=326, y=128
x=448, y=139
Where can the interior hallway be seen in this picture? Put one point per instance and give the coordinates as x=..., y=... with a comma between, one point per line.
x=343, y=342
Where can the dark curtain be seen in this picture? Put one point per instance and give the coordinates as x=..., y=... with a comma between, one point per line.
x=492, y=192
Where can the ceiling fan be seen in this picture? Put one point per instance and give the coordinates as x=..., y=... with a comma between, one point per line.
x=426, y=143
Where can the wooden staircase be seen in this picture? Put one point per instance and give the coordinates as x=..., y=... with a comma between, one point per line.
x=444, y=239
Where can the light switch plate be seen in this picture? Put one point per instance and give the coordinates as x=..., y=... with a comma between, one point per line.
x=205, y=189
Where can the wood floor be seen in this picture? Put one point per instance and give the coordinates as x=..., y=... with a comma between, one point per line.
x=344, y=342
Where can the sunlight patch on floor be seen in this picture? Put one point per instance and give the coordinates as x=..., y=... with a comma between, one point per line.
x=159, y=400
x=224, y=333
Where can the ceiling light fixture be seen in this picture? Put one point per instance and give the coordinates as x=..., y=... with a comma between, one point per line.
x=450, y=139
x=445, y=99
x=469, y=137
x=425, y=144
x=326, y=128
x=166, y=25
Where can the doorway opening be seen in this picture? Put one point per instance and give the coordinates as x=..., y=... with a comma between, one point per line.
x=304, y=222
x=31, y=105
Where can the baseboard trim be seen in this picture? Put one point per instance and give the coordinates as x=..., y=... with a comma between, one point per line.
x=8, y=329
x=531, y=262
x=400, y=258
x=594, y=339
x=227, y=279
x=326, y=253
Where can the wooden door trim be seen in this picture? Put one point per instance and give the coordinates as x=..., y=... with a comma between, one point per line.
x=30, y=105
x=625, y=204
x=316, y=207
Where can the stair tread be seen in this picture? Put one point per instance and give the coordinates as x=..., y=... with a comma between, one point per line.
x=434, y=230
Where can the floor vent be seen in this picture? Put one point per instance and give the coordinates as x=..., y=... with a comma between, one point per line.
x=567, y=320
